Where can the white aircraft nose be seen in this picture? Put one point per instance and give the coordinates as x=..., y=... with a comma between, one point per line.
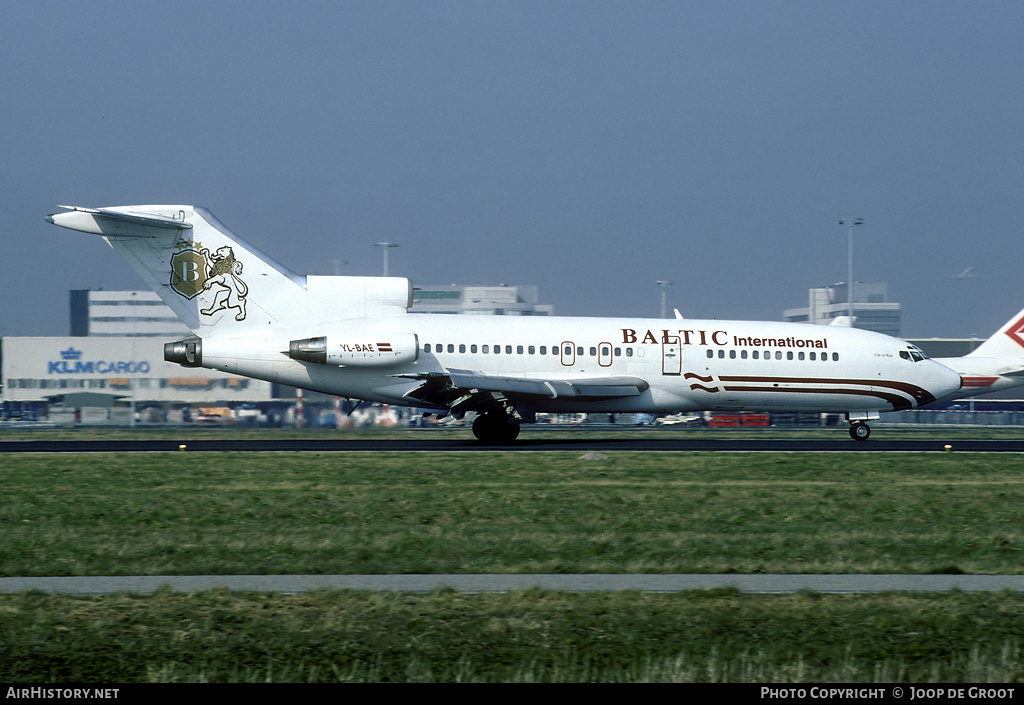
x=945, y=382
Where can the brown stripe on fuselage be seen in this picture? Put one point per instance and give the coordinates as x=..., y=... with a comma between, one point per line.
x=921, y=395
x=898, y=403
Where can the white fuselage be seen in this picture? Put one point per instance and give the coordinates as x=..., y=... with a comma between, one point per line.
x=688, y=364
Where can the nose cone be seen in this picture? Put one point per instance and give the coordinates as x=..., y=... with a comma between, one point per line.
x=943, y=382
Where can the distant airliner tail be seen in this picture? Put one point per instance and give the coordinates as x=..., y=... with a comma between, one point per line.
x=1007, y=343
x=216, y=282
x=996, y=364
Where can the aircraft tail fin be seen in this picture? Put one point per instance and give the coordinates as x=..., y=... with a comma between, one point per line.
x=1007, y=343
x=217, y=282
x=996, y=364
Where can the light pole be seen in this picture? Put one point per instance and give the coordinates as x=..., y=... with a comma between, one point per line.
x=385, y=246
x=663, y=284
x=849, y=223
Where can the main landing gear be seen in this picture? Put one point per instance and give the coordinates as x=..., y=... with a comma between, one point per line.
x=495, y=429
x=859, y=431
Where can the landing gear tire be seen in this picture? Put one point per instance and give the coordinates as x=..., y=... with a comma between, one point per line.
x=859, y=431
x=494, y=429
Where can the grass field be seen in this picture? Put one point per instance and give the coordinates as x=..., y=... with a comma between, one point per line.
x=186, y=513
x=533, y=636
x=229, y=513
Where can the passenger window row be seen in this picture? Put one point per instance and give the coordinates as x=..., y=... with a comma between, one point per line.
x=606, y=351
x=767, y=355
x=523, y=349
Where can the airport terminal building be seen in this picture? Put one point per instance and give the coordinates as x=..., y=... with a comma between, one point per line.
x=871, y=309
x=501, y=300
x=42, y=369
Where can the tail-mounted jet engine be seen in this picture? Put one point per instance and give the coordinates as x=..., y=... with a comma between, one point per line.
x=364, y=351
x=187, y=352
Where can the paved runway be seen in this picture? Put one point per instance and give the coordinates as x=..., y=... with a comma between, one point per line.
x=841, y=443
x=479, y=583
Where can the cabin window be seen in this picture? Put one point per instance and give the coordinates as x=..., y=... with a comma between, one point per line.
x=567, y=351
x=579, y=351
x=508, y=349
x=799, y=356
x=485, y=348
x=755, y=354
x=778, y=354
x=835, y=357
x=472, y=348
x=711, y=353
x=593, y=352
x=789, y=355
x=813, y=356
x=543, y=349
x=618, y=352
x=629, y=352
x=426, y=348
x=743, y=354
x=519, y=349
x=497, y=349
x=451, y=347
x=462, y=347
x=721, y=354
x=732, y=354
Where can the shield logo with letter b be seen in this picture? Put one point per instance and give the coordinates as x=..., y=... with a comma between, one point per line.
x=188, y=273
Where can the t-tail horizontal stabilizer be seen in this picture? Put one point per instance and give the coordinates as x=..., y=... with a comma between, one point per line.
x=112, y=217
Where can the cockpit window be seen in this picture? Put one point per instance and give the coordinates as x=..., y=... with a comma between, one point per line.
x=913, y=353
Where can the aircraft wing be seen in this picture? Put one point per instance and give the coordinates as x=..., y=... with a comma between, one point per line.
x=591, y=388
x=470, y=390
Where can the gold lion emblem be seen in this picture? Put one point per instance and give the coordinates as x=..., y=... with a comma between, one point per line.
x=194, y=271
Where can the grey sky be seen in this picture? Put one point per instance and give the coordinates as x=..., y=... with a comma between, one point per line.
x=589, y=148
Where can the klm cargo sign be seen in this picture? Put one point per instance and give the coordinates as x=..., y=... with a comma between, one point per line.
x=73, y=364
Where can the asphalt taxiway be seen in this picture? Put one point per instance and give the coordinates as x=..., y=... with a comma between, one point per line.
x=841, y=443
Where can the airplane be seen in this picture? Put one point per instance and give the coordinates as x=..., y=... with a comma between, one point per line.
x=354, y=337
x=964, y=274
